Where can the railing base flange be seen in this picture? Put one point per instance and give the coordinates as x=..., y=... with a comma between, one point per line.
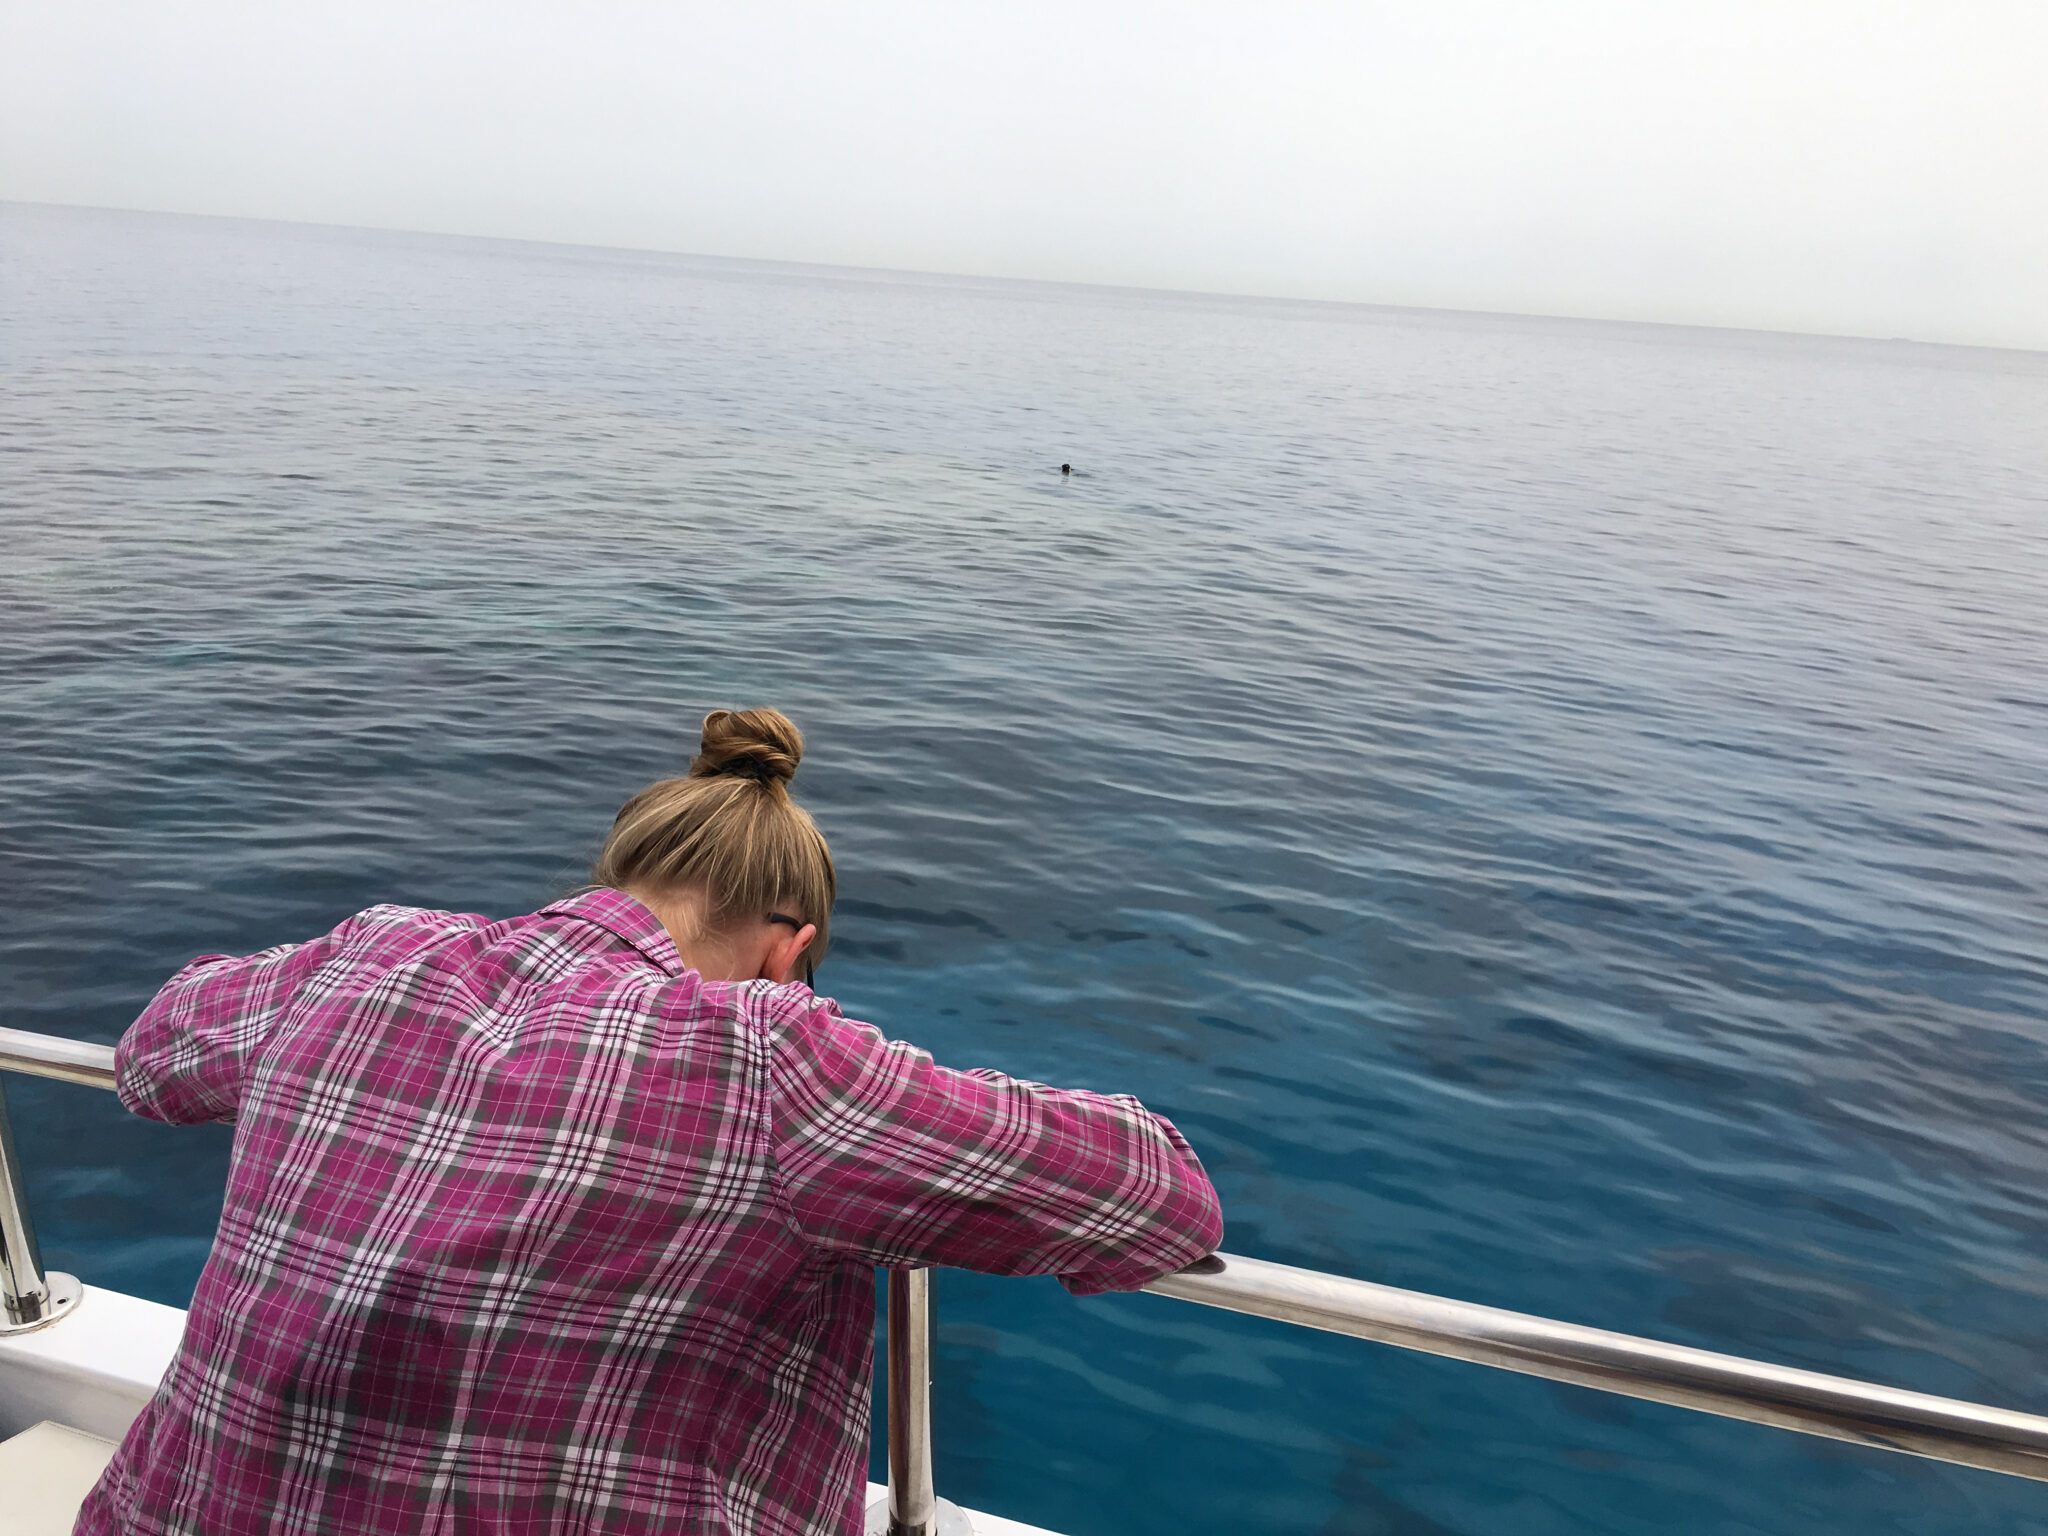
x=952, y=1519
x=65, y=1295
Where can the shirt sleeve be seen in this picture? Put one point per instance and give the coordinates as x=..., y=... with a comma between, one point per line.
x=888, y=1158
x=186, y=1058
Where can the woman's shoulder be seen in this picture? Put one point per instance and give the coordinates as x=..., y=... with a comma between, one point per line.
x=788, y=1009
x=390, y=920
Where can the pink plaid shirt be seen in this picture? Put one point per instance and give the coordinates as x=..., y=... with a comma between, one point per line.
x=530, y=1229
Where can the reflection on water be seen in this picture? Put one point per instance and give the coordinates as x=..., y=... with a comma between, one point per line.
x=1555, y=811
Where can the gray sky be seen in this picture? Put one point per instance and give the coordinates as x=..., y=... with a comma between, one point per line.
x=1870, y=168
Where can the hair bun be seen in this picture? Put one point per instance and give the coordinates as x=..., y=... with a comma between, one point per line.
x=749, y=744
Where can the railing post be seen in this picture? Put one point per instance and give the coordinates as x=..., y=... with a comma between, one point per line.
x=912, y=1508
x=28, y=1297
x=912, y=1501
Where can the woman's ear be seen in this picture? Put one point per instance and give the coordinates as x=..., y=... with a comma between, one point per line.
x=785, y=959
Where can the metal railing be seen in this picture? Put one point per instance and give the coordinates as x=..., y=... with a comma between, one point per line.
x=30, y=1296
x=1917, y=1423
x=68, y=1061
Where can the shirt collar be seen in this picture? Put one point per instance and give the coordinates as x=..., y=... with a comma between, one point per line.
x=624, y=918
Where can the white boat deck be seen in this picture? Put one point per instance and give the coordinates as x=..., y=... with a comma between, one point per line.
x=47, y=1472
x=68, y=1393
x=92, y=1370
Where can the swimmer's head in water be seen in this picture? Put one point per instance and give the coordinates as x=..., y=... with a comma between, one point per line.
x=1066, y=469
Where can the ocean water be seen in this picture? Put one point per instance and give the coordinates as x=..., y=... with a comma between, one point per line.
x=1556, y=811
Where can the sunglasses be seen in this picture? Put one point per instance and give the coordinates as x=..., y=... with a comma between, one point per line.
x=810, y=971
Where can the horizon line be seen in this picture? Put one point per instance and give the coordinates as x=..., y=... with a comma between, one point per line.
x=1041, y=282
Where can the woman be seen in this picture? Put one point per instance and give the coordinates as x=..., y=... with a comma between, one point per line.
x=567, y=1223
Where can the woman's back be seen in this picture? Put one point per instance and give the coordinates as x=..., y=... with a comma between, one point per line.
x=530, y=1228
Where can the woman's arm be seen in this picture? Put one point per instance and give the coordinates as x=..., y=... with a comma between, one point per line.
x=186, y=1058
x=892, y=1159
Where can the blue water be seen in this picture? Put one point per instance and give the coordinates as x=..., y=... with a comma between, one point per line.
x=1557, y=812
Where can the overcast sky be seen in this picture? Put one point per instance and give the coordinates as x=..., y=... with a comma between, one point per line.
x=1872, y=168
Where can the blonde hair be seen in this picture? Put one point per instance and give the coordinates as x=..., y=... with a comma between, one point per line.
x=729, y=829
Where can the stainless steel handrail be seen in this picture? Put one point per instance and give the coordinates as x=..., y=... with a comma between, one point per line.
x=32, y=1297
x=69, y=1061
x=1888, y=1418
x=1917, y=1423
x=24, y=1292
x=913, y=1508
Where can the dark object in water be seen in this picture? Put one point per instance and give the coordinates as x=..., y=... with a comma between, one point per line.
x=1066, y=469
